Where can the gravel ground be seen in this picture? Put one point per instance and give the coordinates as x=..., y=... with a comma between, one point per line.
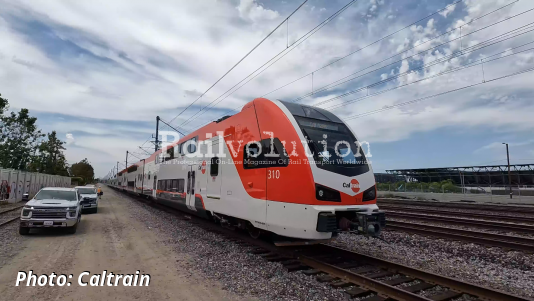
x=507, y=271
x=238, y=271
x=10, y=242
x=453, y=226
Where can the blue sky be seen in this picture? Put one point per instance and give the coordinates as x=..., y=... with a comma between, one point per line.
x=99, y=72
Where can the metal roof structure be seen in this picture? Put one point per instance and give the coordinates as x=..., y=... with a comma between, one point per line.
x=494, y=175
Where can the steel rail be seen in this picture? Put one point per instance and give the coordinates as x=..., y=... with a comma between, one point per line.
x=454, y=284
x=464, y=222
x=488, y=239
x=457, y=205
x=9, y=221
x=513, y=219
x=12, y=209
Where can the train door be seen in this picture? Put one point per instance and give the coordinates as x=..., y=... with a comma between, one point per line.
x=190, y=192
x=214, y=172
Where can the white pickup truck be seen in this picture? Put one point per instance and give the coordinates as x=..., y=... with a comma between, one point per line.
x=52, y=207
x=89, y=200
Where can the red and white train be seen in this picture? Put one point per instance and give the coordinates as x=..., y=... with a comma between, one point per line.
x=289, y=169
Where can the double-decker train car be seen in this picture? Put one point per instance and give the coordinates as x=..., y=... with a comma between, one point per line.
x=275, y=167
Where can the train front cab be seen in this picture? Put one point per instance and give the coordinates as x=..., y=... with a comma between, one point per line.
x=313, y=197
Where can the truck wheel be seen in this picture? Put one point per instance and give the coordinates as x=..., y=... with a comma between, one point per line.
x=24, y=231
x=95, y=210
x=72, y=230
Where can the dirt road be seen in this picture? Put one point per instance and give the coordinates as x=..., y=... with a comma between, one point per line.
x=108, y=241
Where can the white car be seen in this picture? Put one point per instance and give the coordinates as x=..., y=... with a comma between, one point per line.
x=52, y=207
x=89, y=198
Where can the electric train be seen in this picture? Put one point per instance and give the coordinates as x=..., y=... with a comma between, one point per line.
x=275, y=167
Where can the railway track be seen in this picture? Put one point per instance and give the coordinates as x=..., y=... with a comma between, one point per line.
x=493, y=217
x=457, y=205
x=358, y=274
x=9, y=220
x=492, y=225
x=487, y=239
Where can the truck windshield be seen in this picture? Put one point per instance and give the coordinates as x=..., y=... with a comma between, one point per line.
x=56, y=195
x=86, y=190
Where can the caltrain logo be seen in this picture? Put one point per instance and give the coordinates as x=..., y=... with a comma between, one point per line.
x=354, y=185
x=204, y=167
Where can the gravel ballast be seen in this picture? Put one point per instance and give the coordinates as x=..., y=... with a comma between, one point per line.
x=229, y=263
x=251, y=276
x=508, y=271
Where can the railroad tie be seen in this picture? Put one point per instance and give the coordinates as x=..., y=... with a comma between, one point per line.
x=357, y=292
x=418, y=287
x=378, y=298
x=348, y=265
x=312, y=272
x=340, y=283
x=399, y=280
x=447, y=295
x=379, y=274
x=325, y=278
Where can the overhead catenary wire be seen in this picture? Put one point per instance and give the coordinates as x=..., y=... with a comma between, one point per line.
x=438, y=94
x=244, y=57
x=343, y=81
x=473, y=64
x=428, y=16
x=468, y=50
x=276, y=58
x=371, y=44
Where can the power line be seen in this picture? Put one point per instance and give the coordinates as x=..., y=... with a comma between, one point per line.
x=440, y=10
x=477, y=63
x=246, y=55
x=279, y=56
x=340, y=81
x=435, y=62
x=436, y=95
x=368, y=45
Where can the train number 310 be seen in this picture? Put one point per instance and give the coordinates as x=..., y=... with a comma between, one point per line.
x=273, y=174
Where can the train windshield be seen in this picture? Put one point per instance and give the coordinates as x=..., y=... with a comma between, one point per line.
x=333, y=145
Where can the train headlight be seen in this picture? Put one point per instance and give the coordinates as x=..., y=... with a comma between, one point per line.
x=323, y=193
x=369, y=194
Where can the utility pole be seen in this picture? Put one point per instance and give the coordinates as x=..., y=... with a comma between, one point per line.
x=126, y=161
x=509, y=174
x=157, y=134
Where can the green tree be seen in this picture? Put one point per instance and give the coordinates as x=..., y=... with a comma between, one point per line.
x=3, y=106
x=84, y=170
x=19, y=138
x=50, y=159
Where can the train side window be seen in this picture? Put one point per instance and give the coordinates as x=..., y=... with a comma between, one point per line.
x=181, y=184
x=170, y=154
x=161, y=185
x=214, y=167
x=174, y=186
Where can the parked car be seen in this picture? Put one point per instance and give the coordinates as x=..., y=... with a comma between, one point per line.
x=89, y=198
x=52, y=207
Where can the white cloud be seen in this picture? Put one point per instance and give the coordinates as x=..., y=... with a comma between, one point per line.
x=162, y=53
x=249, y=9
x=448, y=10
